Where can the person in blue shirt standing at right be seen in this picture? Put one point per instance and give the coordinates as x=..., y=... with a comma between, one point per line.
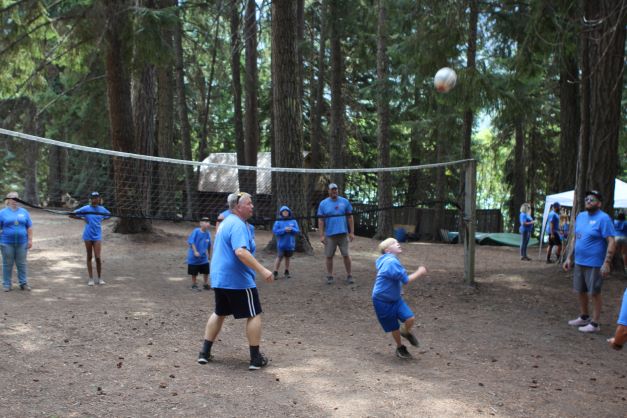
x=593, y=251
x=16, y=238
x=553, y=229
x=526, y=226
x=93, y=215
x=336, y=227
x=285, y=230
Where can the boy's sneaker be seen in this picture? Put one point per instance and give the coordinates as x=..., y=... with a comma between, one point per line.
x=206, y=286
x=275, y=274
x=90, y=282
x=349, y=279
x=410, y=337
x=330, y=279
x=7, y=289
x=195, y=288
x=25, y=286
x=258, y=362
x=402, y=352
x=287, y=275
x=100, y=281
x=590, y=328
x=579, y=321
x=204, y=358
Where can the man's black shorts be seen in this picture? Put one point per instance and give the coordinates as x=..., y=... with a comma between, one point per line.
x=196, y=269
x=241, y=303
x=554, y=239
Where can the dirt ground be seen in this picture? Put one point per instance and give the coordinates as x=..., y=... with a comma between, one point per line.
x=129, y=348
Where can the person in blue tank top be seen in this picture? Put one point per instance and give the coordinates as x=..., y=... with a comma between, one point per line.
x=336, y=227
x=386, y=295
x=16, y=238
x=591, y=254
x=526, y=226
x=199, y=244
x=93, y=215
x=285, y=230
x=621, y=238
x=233, y=269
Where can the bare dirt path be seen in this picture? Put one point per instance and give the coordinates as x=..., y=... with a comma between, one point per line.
x=129, y=348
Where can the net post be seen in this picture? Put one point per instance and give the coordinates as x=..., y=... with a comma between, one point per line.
x=470, y=220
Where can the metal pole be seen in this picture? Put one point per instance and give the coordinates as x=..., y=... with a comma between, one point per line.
x=470, y=220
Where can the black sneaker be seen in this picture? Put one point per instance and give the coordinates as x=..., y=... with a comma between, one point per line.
x=401, y=352
x=204, y=358
x=349, y=279
x=410, y=337
x=330, y=279
x=276, y=275
x=258, y=362
x=25, y=287
x=549, y=261
x=287, y=274
x=206, y=286
x=195, y=288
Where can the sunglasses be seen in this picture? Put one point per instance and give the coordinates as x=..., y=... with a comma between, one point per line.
x=239, y=196
x=591, y=199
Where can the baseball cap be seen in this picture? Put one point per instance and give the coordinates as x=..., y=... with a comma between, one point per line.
x=94, y=194
x=556, y=205
x=204, y=219
x=594, y=193
x=332, y=186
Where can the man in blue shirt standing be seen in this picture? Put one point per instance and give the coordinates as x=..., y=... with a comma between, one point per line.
x=336, y=226
x=93, y=215
x=233, y=268
x=553, y=229
x=593, y=251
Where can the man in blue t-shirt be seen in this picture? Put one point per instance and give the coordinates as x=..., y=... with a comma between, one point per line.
x=93, y=215
x=593, y=251
x=199, y=243
x=233, y=268
x=336, y=226
x=553, y=229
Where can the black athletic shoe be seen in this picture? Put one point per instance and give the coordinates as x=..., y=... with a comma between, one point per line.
x=402, y=352
x=195, y=288
x=204, y=358
x=206, y=286
x=25, y=287
x=258, y=362
x=410, y=337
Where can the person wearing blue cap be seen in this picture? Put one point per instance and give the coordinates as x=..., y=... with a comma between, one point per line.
x=553, y=229
x=93, y=215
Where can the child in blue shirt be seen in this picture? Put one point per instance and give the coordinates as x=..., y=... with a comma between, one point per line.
x=386, y=295
x=285, y=230
x=199, y=243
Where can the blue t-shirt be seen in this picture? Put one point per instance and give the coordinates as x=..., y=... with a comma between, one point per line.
x=227, y=271
x=391, y=276
x=591, y=231
x=620, y=227
x=553, y=218
x=93, y=225
x=335, y=225
x=202, y=241
x=14, y=225
x=525, y=217
x=285, y=241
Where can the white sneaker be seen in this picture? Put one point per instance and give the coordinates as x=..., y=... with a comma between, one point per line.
x=90, y=282
x=578, y=322
x=100, y=281
x=590, y=328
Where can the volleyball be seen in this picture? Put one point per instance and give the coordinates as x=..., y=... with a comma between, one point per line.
x=444, y=80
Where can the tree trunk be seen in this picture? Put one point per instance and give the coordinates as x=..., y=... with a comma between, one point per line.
x=337, y=135
x=518, y=189
x=607, y=52
x=237, y=90
x=57, y=158
x=184, y=118
x=384, y=190
x=415, y=149
x=251, y=118
x=288, y=130
x=121, y=117
x=569, y=122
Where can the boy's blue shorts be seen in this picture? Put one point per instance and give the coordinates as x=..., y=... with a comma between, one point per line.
x=389, y=313
x=622, y=316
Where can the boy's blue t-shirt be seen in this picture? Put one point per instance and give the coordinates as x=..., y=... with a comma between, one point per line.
x=286, y=241
x=553, y=218
x=525, y=217
x=202, y=241
x=227, y=271
x=93, y=227
x=391, y=276
x=620, y=227
x=591, y=232
x=335, y=225
x=14, y=225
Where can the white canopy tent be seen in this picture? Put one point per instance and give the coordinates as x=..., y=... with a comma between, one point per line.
x=566, y=199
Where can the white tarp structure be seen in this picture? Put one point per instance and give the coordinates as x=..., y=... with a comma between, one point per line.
x=566, y=199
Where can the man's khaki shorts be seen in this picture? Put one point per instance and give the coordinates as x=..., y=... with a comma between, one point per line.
x=334, y=241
